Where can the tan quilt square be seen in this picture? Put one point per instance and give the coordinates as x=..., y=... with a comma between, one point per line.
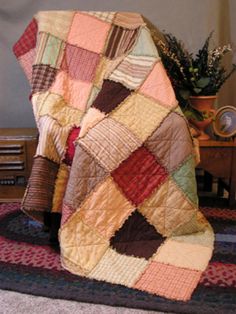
x=81, y=244
x=106, y=209
x=167, y=208
x=185, y=255
x=140, y=114
x=119, y=269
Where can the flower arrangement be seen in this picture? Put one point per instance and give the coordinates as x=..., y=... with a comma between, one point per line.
x=200, y=75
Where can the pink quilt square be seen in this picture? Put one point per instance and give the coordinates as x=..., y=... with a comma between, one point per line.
x=80, y=63
x=88, y=32
x=158, y=86
x=169, y=281
x=75, y=92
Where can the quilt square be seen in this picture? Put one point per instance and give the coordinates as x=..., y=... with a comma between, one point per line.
x=43, y=77
x=109, y=142
x=75, y=92
x=79, y=63
x=52, y=139
x=26, y=62
x=86, y=175
x=137, y=237
x=132, y=71
x=56, y=23
x=88, y=32
x=185, y=255
x=110, y=96
x=169, y=281
x=50, y=50
x=120, y=41
x=40, y=191
x=139, y=175
x=106, y=209
x=105, y=16
x=167, y=208
x=140, y=114
x=158, y=86
x=28, y=40
x=171, y=143
x=84, y=247
x=118, y=269
x=129, y=20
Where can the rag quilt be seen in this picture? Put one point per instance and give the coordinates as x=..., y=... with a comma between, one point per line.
x=115, y=156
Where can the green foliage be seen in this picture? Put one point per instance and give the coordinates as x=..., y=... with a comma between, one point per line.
x=202, y=75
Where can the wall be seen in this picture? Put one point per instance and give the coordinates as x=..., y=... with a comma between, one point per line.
x=189, y=20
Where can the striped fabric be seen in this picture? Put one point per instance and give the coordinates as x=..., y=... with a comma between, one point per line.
x=80, y=63
x=50, y=50
x=26, y=62
x=105, y=16
x=110, y=143
x=128, y=20
x=120, y=41
x=132, y=70
x=52, y=140
x=42, y=181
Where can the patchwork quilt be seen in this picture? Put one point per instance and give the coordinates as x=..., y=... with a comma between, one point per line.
x=115, y=156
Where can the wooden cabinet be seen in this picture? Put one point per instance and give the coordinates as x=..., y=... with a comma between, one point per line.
x=17, y=149
x=218, y=158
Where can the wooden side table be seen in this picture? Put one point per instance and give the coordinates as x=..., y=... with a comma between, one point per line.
x=17, y=149
x=218, y=158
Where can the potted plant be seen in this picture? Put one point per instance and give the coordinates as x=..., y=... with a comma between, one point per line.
x=195, y=78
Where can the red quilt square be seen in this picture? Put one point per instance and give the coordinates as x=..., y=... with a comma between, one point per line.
x=139, y=175
x=27, y=41
x=80, y=63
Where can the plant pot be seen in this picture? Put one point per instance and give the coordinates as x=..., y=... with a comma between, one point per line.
x=204, y=104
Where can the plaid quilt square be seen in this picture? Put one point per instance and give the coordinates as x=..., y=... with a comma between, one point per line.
x=42, y=77
x=27, y=41
x=169, y=281
x=139, y=175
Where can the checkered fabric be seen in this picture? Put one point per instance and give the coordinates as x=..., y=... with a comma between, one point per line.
x=115, y=156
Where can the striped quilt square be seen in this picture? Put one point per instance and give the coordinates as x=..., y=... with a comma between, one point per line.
x=40, y=191
x=129, y=20
x=52, y=139
x=133, y=70
x=80, y=63
x=110, y=143
x=42, y=77
x=120, y=41
x=26, y=62
x=50, y=50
